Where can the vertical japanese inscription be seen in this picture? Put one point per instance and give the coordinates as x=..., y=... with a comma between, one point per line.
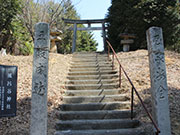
x=39, y=88
x=159, y=58
x=156, y=37
x=40, y=80
x=40, y=69
x=2, y=100
x=0, y=96
x=159, y=89
x=8, y=88
x=41, y=54
x=160, y=74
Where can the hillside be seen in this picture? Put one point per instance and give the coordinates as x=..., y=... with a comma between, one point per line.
x=137, y=66
x=135, y=63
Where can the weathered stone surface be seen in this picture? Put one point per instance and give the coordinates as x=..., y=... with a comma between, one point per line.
x=92, y=103
x=127, y=41
x=92, y=115
x=129, y=131
x=126, y=48
x=40, y=80
x=159, y=89
x=74, y=38
x=97, y=124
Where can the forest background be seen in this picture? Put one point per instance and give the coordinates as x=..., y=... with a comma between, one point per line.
x=18, y=18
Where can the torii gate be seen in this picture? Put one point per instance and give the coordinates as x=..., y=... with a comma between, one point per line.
x=89, y=22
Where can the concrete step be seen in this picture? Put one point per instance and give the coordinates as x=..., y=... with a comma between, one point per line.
x=91, y=86
x=90, y=60
x=90, y=55
x=91, y=63
x=91, y=77
x=97, y=81
x=93, y=72
x=92, y=92
x=90, y=69
x=95, y=99
x=96, y=124
x=84, y=52
x=129, y=131
x=104, y=114
x=78, y=58
x=95, y=106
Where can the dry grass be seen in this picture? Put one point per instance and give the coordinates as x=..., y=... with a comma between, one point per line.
x=135, y=63
x=58, y=69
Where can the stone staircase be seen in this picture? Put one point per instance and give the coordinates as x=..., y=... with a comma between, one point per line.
x=93, y=103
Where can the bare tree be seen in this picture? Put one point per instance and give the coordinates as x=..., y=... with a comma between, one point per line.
x=34, y=11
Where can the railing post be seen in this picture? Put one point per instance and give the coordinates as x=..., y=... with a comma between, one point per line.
x=132, y=102
x=113, y=62
x=108, y=52
x=120, y=76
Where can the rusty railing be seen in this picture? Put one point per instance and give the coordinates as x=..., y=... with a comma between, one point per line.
x=121, y=69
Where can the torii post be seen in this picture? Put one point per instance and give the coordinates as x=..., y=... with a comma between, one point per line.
x=89, y=22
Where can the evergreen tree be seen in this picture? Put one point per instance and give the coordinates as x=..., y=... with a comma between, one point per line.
x=86, y=42
x=8, y=11
x=137, y=16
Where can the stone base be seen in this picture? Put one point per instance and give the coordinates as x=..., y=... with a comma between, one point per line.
x=53, y=49
x=126, y=48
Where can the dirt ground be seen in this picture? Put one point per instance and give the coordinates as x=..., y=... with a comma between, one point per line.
x=135, y=63
x=58, y=69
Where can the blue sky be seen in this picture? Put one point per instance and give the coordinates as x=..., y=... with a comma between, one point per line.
x=93, y=9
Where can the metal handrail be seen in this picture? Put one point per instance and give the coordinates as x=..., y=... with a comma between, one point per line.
x=133, y=87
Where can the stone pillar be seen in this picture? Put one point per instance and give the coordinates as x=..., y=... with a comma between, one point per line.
x=159, y=88
x=74, y=38
x=104, y=36
x=40, y=80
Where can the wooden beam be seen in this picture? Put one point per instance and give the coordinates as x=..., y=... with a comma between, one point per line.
x=83, y=21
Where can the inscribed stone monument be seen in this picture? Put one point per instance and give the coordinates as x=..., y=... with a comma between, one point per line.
x=40, y=80
x=159, y=89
